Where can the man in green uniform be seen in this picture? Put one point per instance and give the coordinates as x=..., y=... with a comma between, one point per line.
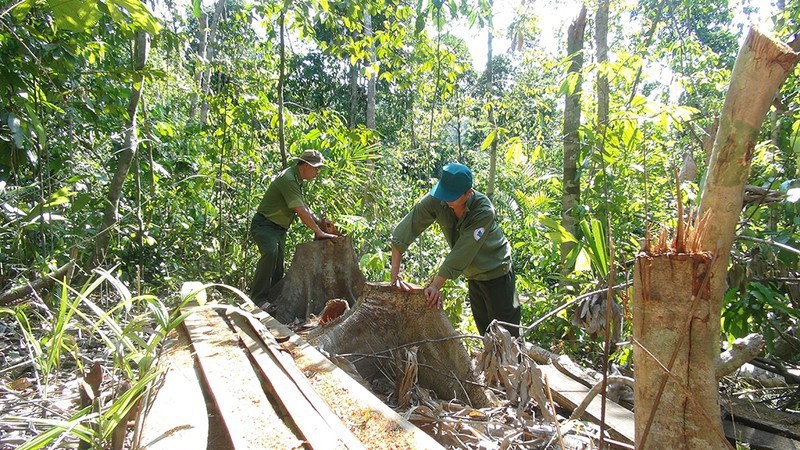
x=277, y=210
x=479, y=249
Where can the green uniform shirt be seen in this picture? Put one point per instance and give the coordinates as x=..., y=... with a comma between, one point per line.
x=283, y=195
x=478, y=246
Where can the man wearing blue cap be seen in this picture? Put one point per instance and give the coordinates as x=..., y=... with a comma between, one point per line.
x=276, y=212
x=478, y=248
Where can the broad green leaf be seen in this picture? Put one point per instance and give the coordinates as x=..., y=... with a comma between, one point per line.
x=20, y=10
x=570, y=84
x=558, y=234
x=583, y=262
x=489, y=139
x=75, y=15
x=139, y=13
x=41, y=135
x=514, y=153
x=196, y=10
x=194, y=290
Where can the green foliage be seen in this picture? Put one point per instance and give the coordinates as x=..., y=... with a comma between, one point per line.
x=185, y=209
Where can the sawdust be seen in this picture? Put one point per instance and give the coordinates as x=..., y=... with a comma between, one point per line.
x=369, y=425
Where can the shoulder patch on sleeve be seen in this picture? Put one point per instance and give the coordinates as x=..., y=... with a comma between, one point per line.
x=478, y=233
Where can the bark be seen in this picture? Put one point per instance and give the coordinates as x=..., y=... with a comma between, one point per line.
x=353, y=84
x=601, y=37
x=371, y=76
x=742, y=351
x=10, y=296
x=490, y=83
x=281, y=76
x=386, y=319
x=205, y=80
x=320, y=271
x=572, y=121
x=141, y=49
x=202, y=47
x=674, y=324
x=676, y=320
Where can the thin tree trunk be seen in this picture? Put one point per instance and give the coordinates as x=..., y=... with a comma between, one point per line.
x=141, y=48
x=601, y=40
x=205, y=85
x=353, y=77
x=683, y=407
x=490, y=84
x=371, y=75
x=572, y=145
x=281, y=76
x=202, y=49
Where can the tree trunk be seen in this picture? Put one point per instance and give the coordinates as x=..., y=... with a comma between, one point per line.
x=205, y=80
x=371, y=75
x=677, y=318
x=383, y=320
x=141, y=47
x=320, y=271
x=202, y=47
x=666, y=287
x=572, y=145
x=353, y=84
x=281, y=75
x=761, y=67
x=490, y=91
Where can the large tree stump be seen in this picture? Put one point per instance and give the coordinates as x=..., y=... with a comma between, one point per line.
x=320, y=271
x=384, y=319
x=666, y=287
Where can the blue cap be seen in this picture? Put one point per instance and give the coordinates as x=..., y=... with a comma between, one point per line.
x=456, y=179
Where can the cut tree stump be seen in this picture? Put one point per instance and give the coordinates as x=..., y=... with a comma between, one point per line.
x=320, y=271
x=384, y=319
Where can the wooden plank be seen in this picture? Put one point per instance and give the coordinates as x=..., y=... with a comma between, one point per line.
x=251, y=421
x=406, y=435
x=162, y=427
x=758, y=439
x=761, y=417
x=569, y=394
x=306, y=418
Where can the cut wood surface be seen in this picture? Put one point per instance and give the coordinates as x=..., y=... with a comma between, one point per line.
x=163, y=427
x=309, y=413
x=251, y=421
x=384, y=319
x=569, y=394
x=371, y=420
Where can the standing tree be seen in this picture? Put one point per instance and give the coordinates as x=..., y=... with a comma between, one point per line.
x=572, y=121
x=490, y=94
x=372, y=76
x=679, y=290
x=141, y=48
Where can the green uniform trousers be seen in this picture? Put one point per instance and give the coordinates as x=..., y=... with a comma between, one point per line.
x=495, y=299
x=271, y=240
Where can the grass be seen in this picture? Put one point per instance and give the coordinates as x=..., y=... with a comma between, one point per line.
x=100, y=321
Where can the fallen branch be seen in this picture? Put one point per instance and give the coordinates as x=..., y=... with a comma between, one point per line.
x=742, y=351
x=612, y=379
x=12, y=295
